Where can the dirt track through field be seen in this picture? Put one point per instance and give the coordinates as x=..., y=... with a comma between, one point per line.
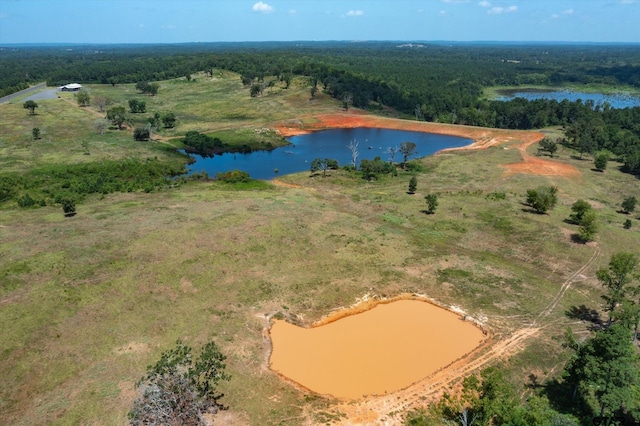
x=387, y=410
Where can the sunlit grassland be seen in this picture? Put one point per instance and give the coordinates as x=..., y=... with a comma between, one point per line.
x=87, y=302
x=222, y=102
x=64, y=127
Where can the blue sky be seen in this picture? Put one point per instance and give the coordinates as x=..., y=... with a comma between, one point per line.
x=170, y=21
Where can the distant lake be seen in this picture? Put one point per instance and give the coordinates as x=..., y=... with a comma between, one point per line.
x=619, y=100
x=332, y=144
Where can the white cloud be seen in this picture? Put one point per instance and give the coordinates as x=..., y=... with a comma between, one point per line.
x=484, y=3
x=168, y=27
x=262, y=7
x=292, y=12
x=568, y=12
x=141, y=26
x=497, y=10
x=355, y=13
x=455, y=1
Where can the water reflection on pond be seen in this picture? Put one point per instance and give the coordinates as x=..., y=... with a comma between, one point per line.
x=379, y=351
x=298, y=156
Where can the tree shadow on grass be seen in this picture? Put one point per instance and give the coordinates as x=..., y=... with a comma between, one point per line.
x=576, y=238
x=584, y=313
x=562, y=399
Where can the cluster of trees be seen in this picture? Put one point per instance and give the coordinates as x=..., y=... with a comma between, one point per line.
x=202, y=144
x=56, y=183
x=544, y=198
x=148, y=88
x=117, y=115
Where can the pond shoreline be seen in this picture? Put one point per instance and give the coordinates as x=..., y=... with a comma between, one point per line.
x=365, y=307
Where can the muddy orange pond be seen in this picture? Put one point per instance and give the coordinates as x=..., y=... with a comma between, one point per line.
x=378, y=351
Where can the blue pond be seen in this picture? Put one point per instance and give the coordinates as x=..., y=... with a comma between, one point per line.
x=332, y=144
x=619, y=100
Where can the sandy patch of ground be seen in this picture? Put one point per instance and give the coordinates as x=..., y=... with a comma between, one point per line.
x=534, y=165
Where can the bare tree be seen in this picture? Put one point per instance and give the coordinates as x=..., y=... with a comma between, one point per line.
x=100, y=125
x=353, y=147
x=392, y=151
x=102, y=103
x=418, y=112
x=347, y=101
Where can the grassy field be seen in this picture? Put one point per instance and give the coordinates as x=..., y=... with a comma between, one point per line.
x=87, y=302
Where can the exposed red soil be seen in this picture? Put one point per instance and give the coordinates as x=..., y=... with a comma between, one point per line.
x=533, y=165
x=482, y=137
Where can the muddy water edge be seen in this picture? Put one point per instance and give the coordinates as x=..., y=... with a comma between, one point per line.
x=379, y=351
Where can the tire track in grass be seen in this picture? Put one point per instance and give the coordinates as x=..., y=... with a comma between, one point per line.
x=388, y=410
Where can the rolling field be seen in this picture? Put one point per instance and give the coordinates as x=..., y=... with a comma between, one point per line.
x=87, y=302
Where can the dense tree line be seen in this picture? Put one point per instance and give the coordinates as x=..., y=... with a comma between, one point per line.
x=56, y=183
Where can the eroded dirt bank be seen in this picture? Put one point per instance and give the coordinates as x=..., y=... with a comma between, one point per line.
x=376, y=352
x=482, y=137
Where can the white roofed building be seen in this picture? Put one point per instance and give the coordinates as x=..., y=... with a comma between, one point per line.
x=73, y=87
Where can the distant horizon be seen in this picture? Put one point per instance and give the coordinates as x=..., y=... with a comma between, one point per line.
x=426, y=42
x=245, y=21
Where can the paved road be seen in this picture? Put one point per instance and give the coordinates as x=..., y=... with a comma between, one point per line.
x=35, y=88
x=45, y=94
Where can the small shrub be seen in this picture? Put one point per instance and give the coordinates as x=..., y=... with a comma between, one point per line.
x=26, y=201
x=169, y=120
x=69, y=207
x=233, y=176
x=588, y=226
x=140, y=134
x=415, y=166
x=578, y=209
x=35, y=132
x=372, y=168
x=627, y=224
x=629, y=204
x=542, y=198
x=601, y=161
x=413, y=185
x=496, y=196
x=432, y=202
